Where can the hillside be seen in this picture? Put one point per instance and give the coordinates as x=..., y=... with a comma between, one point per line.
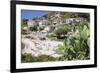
x=56, y=36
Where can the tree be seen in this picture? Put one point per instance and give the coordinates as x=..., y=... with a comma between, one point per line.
x=84, y=15
x=62, y=31
x=34, y=28
x=41, y=28
x=24, y=22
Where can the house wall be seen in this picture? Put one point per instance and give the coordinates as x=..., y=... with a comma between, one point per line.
x=43, y=23
x=31, y=23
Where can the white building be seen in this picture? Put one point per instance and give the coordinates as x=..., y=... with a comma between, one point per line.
x=31, y=23
x=79, y=19
x=43, y=23
x=68, y=21
x=73, y=20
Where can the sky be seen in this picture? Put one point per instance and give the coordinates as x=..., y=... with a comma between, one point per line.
x=30, y=14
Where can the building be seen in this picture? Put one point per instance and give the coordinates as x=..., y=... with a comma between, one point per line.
x=73, y=20
x=31, y=23
x=43, y=23
x=79, y=19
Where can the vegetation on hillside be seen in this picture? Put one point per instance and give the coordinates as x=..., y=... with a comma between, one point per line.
x=75, y=38
x=42, y=58
x=77, y=45
x=24, y=22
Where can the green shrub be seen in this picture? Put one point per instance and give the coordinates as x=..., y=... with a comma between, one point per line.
x=42, y=58
x=51, y=35
x=77, y=45
x=34, y=28
x=62, y=31
x=41, y=28
x=27, y=58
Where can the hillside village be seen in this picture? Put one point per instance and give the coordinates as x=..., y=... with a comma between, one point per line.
x=56, y=22
x=43, y=35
